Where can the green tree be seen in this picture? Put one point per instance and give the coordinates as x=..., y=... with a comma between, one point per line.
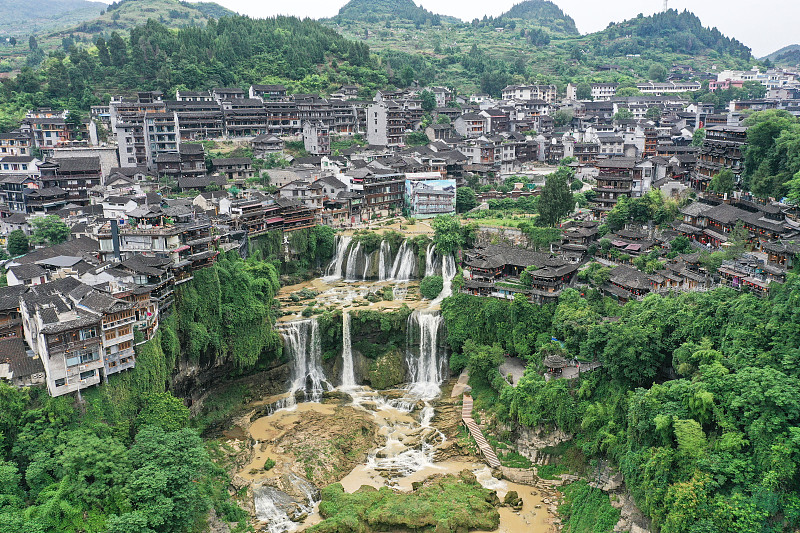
x=680, y=244
x=32, y=43
x=556, y=200
x=562, y=117
x=431, y=286
x=103, y=55
x=165, y=483
x=653, y=113
x=428, y=101
x=628, y=91
x=448, y=234
x=164, y=410
x=465, y=199
x=698, y=137
x=623, y=114
x=49, y=230
x=17, y=243
x=443, y=119
x=583, y=91
x=723, y=183
x=657, y=72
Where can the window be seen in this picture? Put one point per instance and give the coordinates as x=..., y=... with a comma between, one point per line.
x=88, y=333
x=89, y=374
x=60, y=382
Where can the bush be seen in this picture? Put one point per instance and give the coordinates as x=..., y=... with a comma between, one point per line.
x=431, y=287
x=269, y=463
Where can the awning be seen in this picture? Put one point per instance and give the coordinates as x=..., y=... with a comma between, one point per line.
x=274, y=220
x=181, y=248
x=634, y=247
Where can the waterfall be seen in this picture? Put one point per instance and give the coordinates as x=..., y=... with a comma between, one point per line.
x=352, y=263
x=303, y=343
x=403, y=268
x=384, y=256
x=448, y=273
x=348, y=376
x=430, y=260
x=334, y=270
x=367, y=265
x=427, y=367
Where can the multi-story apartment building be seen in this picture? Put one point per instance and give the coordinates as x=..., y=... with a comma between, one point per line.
x=615, y=179
x=245, y=117
x=161, y=134
x=386, y=124
x=198, y=119
x=15, y=143
x=268, y=92
x=127, y=117
x=604, y=91
x=548, y=93
x=80, y=334
x=722, y=148
x=316, y=138
x=75, y=175
x=187, y=243
x=234, y=168
x=669, y=87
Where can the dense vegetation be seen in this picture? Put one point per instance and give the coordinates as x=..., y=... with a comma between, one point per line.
x=541, y=13
x=674, y=31
x=373, y=11
x=696, y=400
x=451, y=503
x=229, y=52
x=772, y=168
x=128, y=459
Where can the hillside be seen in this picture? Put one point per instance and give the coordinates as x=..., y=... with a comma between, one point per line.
x=487, y=54
x=381, y=10
x=544, y=14
x=127, y=14
x=786, y=56
x=25, y=17
x=671, y=32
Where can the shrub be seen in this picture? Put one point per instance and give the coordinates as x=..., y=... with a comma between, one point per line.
x=431, y=286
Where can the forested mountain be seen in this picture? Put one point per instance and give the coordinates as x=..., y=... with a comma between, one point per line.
x=24, y=17
x=127, y=14
x=375, y=10
x=542, y=13
x=788, y=55
x=670, y=31
x=234, y=51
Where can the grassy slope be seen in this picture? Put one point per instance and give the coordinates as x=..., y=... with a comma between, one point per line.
x=26, y=17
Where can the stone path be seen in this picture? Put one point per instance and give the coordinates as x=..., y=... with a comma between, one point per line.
x=477, y=434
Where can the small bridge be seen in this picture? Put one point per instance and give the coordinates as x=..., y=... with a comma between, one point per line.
x=477, y=434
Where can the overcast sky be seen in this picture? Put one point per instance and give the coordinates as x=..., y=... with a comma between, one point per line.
x=764, y=26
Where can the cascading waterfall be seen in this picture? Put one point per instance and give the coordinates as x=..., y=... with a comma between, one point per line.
x=304, y=346
x=430, y=260
x=352, y=263
x=403, y=268
x=384, y=261
x=448, y=273
x=367, y=265
x=348, y=376
x=427, y=367
x=334, y=270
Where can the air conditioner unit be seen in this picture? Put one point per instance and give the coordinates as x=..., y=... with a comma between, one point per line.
x=82, y=367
